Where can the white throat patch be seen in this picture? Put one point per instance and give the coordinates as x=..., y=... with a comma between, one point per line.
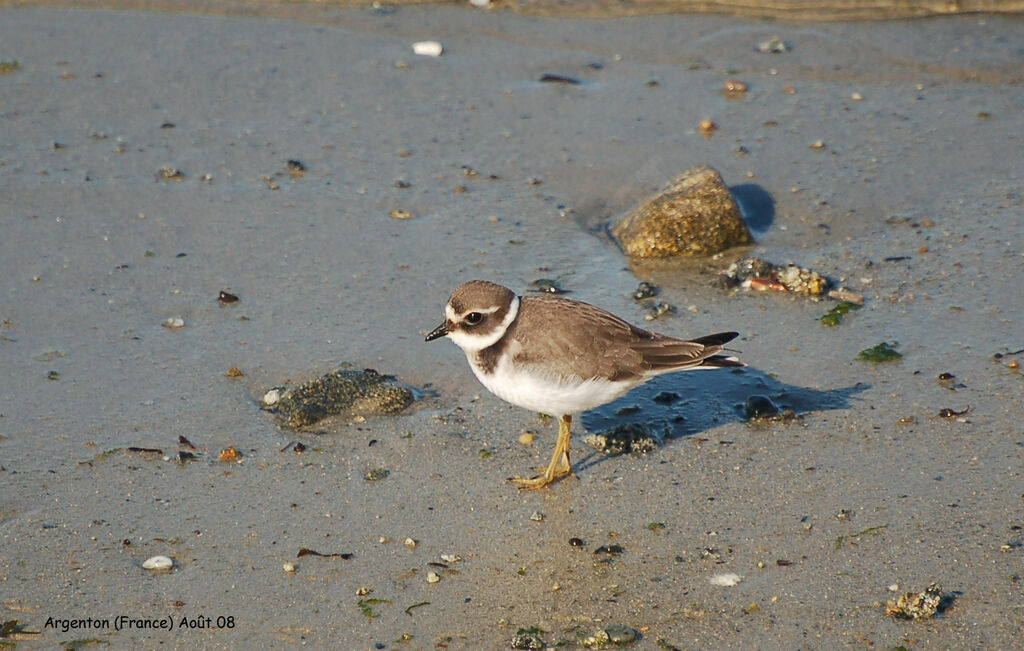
x=473, y=343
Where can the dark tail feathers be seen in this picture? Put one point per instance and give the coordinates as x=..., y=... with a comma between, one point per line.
x=719, y=361
x=719, y=339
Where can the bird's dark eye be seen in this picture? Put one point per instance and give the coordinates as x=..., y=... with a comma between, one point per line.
x=474, y=318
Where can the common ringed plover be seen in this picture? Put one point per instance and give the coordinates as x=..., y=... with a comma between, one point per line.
x=561, y=357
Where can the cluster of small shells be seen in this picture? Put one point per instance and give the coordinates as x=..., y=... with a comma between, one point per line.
x=755, y=273
x=635, y=438
x=802, y=280
x=658, y=310
x=612, y=635
x=170, y=173
x=916, y=605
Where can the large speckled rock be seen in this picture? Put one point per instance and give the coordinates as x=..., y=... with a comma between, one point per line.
x=695, y=215
x=344, y=391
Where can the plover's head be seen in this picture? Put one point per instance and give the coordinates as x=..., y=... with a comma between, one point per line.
x=477, y=315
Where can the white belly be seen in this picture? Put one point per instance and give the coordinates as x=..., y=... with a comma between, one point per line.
x=549, y=394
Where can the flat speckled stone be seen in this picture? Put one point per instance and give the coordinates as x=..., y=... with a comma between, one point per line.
x=695, y=215
x=342, y=392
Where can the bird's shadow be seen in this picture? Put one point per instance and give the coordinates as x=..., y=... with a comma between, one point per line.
x=681, y=405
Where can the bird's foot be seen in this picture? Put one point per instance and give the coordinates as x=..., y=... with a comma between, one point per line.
x=542, y=480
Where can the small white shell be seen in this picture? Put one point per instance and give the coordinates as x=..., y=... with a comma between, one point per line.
x=427, y=48
x=727, y=580
x=175, y=322
x=410, y=543
x=432, y=577
x=271, y=397
x=451, y=558
x=158, y=563
x=288, y=567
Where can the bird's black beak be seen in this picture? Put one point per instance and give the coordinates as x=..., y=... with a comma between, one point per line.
x=438, y=332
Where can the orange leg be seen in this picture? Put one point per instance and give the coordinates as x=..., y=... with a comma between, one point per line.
x=560, y=465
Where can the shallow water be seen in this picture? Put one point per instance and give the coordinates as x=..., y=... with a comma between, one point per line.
x=811, y=10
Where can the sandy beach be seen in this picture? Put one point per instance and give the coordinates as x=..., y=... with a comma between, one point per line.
x=150, y=160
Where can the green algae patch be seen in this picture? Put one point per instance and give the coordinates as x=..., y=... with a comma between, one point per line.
x=366, y=606
x=883, y=352
x=834, y=317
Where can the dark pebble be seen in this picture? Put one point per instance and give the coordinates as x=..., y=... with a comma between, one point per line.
x=551, y=78
x=759, y=406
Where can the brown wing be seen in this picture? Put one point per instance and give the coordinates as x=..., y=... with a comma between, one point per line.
x=670, y=354
x=559, y=336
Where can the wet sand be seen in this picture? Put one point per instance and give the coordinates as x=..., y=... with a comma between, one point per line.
x=913, y=198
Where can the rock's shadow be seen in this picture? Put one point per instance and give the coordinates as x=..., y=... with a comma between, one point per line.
x=680, y=405
x=756, y=204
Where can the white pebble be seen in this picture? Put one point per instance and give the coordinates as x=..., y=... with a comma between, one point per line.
x=727, y=580
x=451, y=558
x=410, y=543
x=174, y=322
x=158, y=563
x=288, y=567
x=895, y=587
x=479, y=3
x=271, y=397
x=427, y=48
x=432, y=577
